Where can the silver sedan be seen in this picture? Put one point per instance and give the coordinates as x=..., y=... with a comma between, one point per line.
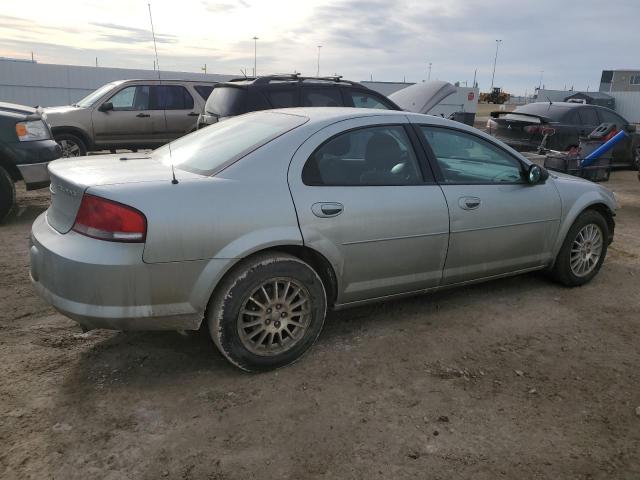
x=260, y=224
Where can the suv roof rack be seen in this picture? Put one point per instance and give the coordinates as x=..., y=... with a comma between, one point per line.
x=294, y=77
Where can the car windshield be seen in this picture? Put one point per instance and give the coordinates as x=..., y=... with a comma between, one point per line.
x=227, y=101
x=211, y=149
x=95, y=95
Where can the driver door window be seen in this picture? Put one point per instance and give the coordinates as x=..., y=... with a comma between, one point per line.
x=466, y=159
x=131, y=98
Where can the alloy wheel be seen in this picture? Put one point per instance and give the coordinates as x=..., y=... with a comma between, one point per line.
x=69, y=148
x=274, y=317
x=586, y=250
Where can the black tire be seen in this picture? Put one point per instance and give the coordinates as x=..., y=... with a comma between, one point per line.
x=233, y=293
x=635, y=161
x=7, y=194
x=562, y=270
x=72, y=145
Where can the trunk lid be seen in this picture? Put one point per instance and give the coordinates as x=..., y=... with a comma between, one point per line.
x=422, y=97
x=71, y=177
x=523, y=128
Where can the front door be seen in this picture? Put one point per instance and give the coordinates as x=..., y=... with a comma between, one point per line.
x=499, y=223
x=366, y=202
x=129, y=123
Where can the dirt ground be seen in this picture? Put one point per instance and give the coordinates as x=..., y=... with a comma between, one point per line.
x=516, y=379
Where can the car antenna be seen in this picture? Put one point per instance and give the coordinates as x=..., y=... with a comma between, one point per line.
x=174, y=180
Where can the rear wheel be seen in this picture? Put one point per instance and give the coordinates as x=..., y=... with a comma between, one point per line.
x=71, y=145
x=583, y=251
x=267, y=312
x=7, y=194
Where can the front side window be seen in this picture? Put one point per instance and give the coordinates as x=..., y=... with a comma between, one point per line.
x=466, y=159
x=609, y=117
x=368, y=156
x=321, y=97
x=131, y=98
x=634, y=79
x=210, y=149
x=170, y=97
x=365, y=100
x=589, y=116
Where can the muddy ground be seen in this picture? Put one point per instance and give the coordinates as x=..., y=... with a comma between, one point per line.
x=516, y=379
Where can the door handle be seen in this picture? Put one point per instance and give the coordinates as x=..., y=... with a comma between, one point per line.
x=469, y=203
x=193, y=114
x=327, y=209
x=143, y=115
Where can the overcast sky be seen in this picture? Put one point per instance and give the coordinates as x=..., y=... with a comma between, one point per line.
x=572, y=41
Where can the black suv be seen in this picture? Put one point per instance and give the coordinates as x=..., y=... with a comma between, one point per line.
x=26, y=148
x=242, y=95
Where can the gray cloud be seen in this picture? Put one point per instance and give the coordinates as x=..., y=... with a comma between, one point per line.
x=112, y=32
x=223, y=7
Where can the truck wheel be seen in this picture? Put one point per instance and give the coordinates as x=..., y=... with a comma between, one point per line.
x=267, y=312
x=72, y=146
x=7, y=194
x=583, y=250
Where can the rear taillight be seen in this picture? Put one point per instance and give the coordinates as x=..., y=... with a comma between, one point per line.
x=539, y=129
x=108, y=220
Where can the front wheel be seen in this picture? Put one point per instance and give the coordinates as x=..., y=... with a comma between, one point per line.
x=7, y=194
x=71, y=145
x=267, y=312
x=583, y=251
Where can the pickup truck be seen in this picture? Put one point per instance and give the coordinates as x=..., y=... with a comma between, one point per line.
x=26, y=148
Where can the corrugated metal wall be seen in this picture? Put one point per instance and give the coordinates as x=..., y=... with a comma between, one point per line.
x=49, y=85
x=628, y=105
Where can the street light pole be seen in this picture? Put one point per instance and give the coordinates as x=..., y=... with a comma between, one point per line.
x=540, y=83
x=495, y=60
x=318, y=71
x=429, y=74
x=255, y=54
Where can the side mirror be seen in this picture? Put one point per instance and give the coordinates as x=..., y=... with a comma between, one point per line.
x=536, y=174
x=106, y=106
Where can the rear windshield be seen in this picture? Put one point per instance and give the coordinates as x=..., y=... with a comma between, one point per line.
x=227, y=102
x=543, y=109
x=211, y=149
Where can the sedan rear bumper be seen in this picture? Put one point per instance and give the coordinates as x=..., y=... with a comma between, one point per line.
x=107, y=285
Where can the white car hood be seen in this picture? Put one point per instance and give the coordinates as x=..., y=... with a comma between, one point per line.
x=422, y=97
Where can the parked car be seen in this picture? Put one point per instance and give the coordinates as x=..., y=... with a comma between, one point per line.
x=129, y=114
x=259, y=224
x=243, y=95
x=26, y=147
x=525, y=127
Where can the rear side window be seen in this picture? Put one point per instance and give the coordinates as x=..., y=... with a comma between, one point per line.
x=170, y=97
x=283, y=98
x=368, y=156
x=227, y=101
x=365, y=100
x=209, y=150
x=589, y=117
x=321, y=97
x=204, y=90
x=572, y=118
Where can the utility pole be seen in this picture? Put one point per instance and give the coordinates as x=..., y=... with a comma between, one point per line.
x=255, y=55
x=475, y=73
x=32, y=59
x=495, y=60
x=540, y=83
x=204, y=69
x=318, y=71
x=96, y=61
x=429, y=74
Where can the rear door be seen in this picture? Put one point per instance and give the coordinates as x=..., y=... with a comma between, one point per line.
x=177, y=112
x=367, y=204
x=499, y=223
x=130, y=121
